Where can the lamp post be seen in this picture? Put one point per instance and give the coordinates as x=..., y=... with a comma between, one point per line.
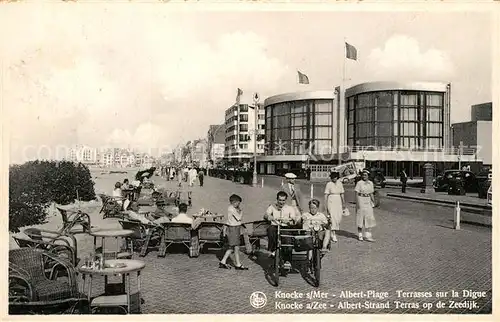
x=256, y=99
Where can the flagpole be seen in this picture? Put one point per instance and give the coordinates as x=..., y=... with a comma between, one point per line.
x=339, y=162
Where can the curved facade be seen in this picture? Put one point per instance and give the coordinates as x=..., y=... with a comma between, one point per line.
x=398, y=115
x=299, y=122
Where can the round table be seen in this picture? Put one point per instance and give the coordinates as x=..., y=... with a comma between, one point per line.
x=111, y=233
x=113, y=267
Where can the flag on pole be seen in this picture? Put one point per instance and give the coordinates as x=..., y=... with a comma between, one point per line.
x=303, y=79
x=238, y=96
x=351, y=52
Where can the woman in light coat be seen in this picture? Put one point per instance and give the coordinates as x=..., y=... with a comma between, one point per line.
x=335, y=203
x=365, y=201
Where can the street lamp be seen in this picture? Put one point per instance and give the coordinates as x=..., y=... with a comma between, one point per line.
x=256, y=99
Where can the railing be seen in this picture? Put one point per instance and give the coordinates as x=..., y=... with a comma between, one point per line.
x=451, y=151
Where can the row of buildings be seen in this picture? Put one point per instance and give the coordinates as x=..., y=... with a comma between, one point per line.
x=109, y=157
x=388, y=125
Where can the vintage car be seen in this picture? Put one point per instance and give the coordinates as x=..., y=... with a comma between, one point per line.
x=467, y=178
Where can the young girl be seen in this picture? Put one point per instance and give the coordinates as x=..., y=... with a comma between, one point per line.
x=234, y=217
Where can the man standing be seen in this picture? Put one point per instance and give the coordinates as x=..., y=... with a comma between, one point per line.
x=404, y=180
x=293, y=190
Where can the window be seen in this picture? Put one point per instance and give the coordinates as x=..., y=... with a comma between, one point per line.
x=409, y=114
x=243, y=117
x=283, y=121
x=364, y=100
x=434, y=129
x=323, y=106
x=261, y=116
x=243, y=108
x=364, y=130
x=351, y=104
x=409, y=129
x=299, y=120
x=323, y=132
x=323, y=119
x=384, y=129
x=244, y=137
x=384, y=114
x=350, y=131
x=244, y=146
x=434, y=114
x=322, y=147
x=384, y=141
x=299, y=107
x=243, y=127
x=435, y=100
x=350, y=117
x=433, y=143
x=298, y=133
x=384, y=100
x=408, y=99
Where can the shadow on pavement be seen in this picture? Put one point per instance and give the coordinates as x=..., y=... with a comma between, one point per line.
x=347, y=234
x=267, y=264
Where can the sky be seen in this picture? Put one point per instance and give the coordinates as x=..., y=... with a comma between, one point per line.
x=143, y=76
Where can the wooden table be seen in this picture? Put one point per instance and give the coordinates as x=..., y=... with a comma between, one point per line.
x=114, y=267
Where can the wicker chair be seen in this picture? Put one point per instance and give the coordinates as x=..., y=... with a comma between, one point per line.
x=34, y=289
x=136, y=241
x=212, y=233
x=258, y=232
x=110, y=207
x=177, y=233
x=50, y=241
x=71, y=219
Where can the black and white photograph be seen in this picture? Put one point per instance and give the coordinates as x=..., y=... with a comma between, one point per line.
x=248, y=158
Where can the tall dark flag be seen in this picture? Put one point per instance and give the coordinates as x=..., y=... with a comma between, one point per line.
x=303, y=79
x=238, y=96
x=351, y=52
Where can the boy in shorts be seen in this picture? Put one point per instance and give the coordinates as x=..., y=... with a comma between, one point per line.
x=233, y=233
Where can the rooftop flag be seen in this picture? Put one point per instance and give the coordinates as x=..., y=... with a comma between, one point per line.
x=351, y=52
x=238, y=96
x=303, y=79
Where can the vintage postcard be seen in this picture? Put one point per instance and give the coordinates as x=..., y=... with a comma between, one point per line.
x=248, y=158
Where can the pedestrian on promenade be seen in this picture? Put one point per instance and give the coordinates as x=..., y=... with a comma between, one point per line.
x=316, y=221
x=180, y=176
x=404, y=181
x=192, y=176
x=296, y=198
x=279, y=214
x=335, y=203
x=201, y=176
x=233, y=233
x=365, y=201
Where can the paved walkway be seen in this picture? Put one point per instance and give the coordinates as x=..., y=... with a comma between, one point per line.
x=416, y=251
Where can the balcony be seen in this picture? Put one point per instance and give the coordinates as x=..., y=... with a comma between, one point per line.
x=449, y=151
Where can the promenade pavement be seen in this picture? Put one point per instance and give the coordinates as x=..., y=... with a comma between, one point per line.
x=415, y=251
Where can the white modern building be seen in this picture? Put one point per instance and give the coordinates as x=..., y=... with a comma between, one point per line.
x=387, y=125
x=240, y=132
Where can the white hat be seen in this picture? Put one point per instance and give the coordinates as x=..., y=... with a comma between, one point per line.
x=290, y=175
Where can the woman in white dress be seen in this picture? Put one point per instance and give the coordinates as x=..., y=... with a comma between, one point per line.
x=365, y=202
x=335, y=203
